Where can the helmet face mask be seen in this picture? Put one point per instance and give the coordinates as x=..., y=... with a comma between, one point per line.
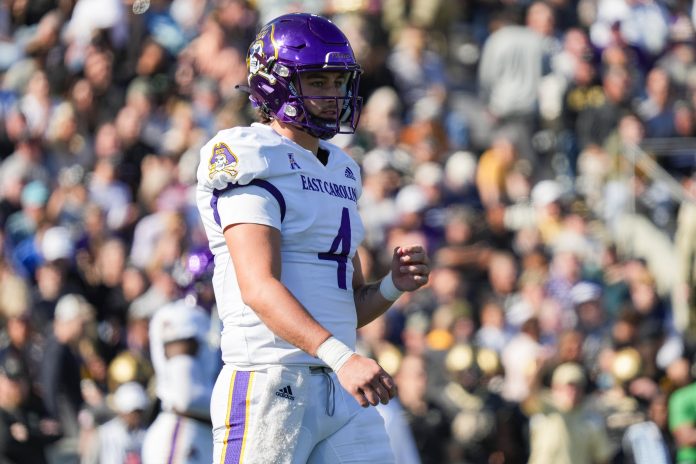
x=297, y=45
x=343, y=109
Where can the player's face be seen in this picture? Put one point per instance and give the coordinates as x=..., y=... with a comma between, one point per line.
x=324, y=84
x=188, y=347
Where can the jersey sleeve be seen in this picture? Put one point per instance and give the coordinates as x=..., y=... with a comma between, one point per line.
x=233, y=156
x=250, y=204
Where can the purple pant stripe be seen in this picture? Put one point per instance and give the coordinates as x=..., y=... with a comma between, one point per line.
x=237, y=418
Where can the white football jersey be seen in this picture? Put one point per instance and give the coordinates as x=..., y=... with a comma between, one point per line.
x=254, y=175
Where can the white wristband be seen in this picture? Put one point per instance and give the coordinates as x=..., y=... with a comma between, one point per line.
x=388, y=289
x=334, y=353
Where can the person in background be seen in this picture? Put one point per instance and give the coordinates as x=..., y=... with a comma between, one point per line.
x=61, y=371
x=120, y=440
x=180, y=356
x=428, y=421
x=26, y=428
x=649, y=442
x=682, y=420
x=561, y=430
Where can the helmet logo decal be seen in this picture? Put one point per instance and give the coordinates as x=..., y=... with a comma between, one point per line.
x=255, y=62
x=222, y=160
x=255, y=55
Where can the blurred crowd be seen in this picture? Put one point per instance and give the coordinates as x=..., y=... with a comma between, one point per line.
x=543, y=152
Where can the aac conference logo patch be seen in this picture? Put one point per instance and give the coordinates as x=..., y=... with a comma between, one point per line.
x=222, y=160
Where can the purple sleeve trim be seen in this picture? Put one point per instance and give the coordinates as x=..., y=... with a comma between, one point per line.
x=264, y=184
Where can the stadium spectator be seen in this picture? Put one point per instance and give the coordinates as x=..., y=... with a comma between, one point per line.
x=433, y=436
x=681, y=422
x=561, y=430
x=650, y=441
x=120, y=440
x=26, y=428
x=61, y=371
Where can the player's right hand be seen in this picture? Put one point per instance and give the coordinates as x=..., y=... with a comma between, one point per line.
x=366, y=381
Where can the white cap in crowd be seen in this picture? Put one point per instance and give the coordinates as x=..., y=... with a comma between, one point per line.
x=130, y=397
x=568, y=374
x=584, y=292
x=72, y=306
x=460, y=168
x=411, y=199
x=546, y=192
x=57, y=244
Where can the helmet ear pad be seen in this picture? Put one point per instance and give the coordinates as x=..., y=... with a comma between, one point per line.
x=296, y=43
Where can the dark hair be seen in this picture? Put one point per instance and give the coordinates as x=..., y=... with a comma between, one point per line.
x=263, y=116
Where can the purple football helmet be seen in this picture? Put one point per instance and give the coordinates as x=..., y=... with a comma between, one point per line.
x=193, y=275
x=293, y=44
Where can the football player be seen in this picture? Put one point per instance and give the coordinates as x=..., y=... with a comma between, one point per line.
x=279, y=204
x=181, y=357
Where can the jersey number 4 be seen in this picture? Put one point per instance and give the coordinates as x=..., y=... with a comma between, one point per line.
x=341, y=240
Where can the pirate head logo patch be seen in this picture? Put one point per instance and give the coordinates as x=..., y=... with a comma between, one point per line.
x=222, y=160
